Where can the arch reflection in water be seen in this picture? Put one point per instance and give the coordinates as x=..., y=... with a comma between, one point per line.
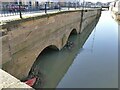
x=51, y=65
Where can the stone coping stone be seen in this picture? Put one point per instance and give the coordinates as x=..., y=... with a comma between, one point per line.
x=9, y=82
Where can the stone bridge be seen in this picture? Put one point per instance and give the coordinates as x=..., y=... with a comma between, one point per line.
x=24, y=40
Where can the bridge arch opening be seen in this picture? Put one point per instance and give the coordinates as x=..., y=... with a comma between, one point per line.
x=74, y=31
x=37, y=69
x=69, y=39
x=44, y=62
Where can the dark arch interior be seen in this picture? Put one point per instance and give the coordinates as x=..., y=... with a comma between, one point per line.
x=50, y=48
x=74, y=31
x=35, y=71
x=70, y=40
x=47, y=50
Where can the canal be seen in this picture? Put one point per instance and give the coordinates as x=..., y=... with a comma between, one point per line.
x=90, y=62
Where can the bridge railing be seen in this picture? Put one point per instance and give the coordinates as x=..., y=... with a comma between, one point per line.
x=21, y=9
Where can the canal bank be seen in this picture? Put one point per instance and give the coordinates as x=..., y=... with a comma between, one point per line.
x=96, y=64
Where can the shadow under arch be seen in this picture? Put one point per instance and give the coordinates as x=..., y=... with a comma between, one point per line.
x=34, y=71
x=50, y=48
x=73, y=32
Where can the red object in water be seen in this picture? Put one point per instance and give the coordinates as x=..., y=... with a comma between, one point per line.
x=31, y=82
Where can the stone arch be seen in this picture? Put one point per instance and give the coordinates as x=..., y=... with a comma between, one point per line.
x=66, y=37
x=49, y=47
x=74, y=31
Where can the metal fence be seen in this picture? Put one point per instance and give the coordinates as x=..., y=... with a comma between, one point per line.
x=15, y=9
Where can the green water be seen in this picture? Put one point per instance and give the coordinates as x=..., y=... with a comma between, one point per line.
x=91, y=62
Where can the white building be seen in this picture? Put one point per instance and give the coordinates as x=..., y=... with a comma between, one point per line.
x=115, y=6
x=115, y=9
x=6, y=1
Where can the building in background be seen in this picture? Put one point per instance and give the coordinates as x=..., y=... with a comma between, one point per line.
x=115, y=9
x=4, y=2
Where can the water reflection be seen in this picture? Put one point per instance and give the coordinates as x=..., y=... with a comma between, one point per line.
x=97, y=65
x=53, y=65
x=118, y=53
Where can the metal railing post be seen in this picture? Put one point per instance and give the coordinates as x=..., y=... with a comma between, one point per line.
x=20, y=11
x=45, y=8
x=59, y=7
x=75, y=5
x=68, y=6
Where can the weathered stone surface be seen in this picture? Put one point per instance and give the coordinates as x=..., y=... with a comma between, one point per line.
x=26, y=39
x=7, y=81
